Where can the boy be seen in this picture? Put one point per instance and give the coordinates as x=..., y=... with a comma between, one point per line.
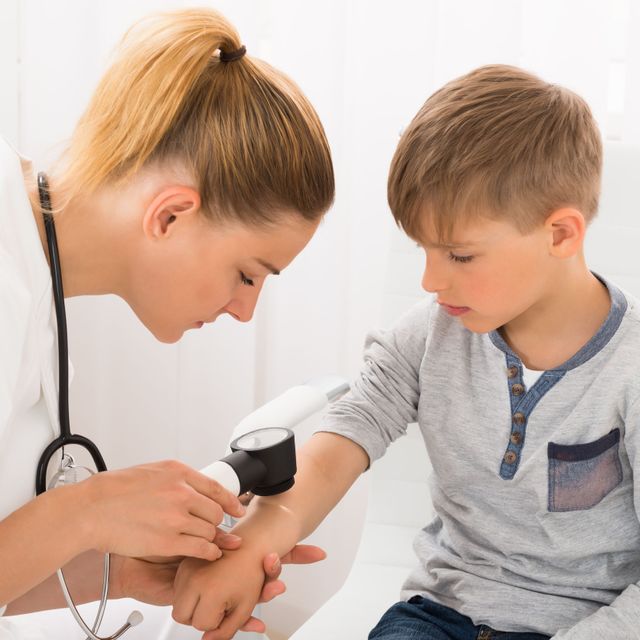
x=522, y=375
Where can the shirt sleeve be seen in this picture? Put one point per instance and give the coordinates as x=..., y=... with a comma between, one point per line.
x=15, y=303
x=384, y=398
x=620, y=619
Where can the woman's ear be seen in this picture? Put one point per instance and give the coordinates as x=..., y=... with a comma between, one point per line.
x=169, y=206
x=566, y=228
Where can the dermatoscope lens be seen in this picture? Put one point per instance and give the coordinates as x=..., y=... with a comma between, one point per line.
x=262, y=438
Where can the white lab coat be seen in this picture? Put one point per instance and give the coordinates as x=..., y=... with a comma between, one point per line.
x=28, y=345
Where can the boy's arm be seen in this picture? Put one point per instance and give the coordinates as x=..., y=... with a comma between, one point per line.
x=620, y=619
x=327, y=467
x=356, y=431
x=221, y=596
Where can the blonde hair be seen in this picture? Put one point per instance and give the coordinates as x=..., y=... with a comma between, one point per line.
x=498, y=143
x=245, y=132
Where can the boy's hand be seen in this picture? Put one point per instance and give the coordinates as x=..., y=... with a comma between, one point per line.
x=189, y=607
x=219, y=597
x=300, y=554
x=151, y=579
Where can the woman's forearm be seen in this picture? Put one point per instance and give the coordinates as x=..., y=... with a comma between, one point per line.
x=83, y=576
x=43, y=535
x=327, y=466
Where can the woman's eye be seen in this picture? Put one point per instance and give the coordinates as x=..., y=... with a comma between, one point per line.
x=245, y=280
x=463, y=259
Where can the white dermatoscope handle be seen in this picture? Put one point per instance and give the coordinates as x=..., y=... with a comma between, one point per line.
x=286, y=411
x=224, y=474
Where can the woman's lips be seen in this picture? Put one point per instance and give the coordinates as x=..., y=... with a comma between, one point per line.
x=454, y=311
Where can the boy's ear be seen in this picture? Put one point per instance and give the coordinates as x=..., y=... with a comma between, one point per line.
x=566, y=228
x=169, y=206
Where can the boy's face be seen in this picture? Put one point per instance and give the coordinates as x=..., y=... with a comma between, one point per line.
x=490, y=273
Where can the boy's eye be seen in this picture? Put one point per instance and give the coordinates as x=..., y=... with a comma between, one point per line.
x=463, y=259
x=245, y=280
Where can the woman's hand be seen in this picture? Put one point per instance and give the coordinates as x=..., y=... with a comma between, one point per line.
x=145, y=580
x=159, y=509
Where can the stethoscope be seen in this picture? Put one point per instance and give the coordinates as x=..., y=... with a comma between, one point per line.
x=262, y=461
x=68, y=469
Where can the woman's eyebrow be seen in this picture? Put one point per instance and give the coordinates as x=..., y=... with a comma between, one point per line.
x=266, y=265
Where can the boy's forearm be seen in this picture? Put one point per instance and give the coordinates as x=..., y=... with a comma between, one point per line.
x=327, y=466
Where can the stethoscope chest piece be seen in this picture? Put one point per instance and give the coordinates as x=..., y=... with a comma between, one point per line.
x=69, y=473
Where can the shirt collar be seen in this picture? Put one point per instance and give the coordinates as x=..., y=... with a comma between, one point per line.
x=597, y=342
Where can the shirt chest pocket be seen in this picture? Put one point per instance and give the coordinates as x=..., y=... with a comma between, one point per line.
x=581, y=475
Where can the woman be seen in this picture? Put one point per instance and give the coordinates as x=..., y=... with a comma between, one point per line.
x=195, y=172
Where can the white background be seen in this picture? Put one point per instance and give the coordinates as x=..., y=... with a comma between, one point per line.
x=367, y=66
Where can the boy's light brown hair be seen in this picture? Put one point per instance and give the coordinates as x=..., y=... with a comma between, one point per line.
x=497, y=143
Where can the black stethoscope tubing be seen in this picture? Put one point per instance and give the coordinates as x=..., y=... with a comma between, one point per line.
x=65, y=437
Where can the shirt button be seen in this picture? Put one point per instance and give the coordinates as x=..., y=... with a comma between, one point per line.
x=512, y=372
x=516, y=437
x=510, y=457
x=517, y=389
x=519, y=418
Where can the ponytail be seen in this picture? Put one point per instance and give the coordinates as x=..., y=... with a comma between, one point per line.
x=247, y=134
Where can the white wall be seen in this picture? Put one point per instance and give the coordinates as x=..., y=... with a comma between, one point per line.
x=367, y=65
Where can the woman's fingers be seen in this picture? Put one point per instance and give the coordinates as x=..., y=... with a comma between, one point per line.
x=253, y=625
x=227, y=541
x=272, y=566
x=304, y=554
x=197, y=547
x=162, y=509
x=206, y=508
x=194, y=526
x=216, y=492
x=272, y=590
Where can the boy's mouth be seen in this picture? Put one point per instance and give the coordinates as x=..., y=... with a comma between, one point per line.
x=453, y=310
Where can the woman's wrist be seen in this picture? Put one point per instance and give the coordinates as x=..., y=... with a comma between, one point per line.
x=117, y=574
x=75, y=502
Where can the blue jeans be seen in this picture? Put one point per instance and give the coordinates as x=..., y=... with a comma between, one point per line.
x=422, y=619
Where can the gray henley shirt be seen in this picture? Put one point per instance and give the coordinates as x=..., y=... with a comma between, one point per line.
x=536, y=500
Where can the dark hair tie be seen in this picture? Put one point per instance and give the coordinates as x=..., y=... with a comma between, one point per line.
x=232, y=55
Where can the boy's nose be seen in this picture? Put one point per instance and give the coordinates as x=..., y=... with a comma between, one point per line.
x=433, y=279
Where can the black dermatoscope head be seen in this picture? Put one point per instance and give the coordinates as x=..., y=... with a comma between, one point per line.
x=264, y=461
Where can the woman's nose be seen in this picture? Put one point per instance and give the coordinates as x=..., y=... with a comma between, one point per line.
x=242, y=306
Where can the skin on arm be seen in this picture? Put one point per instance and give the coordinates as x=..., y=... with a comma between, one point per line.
x=160, y=509
x=218, y=598
x=28, y=555
x=149, y=580
x=327, y=467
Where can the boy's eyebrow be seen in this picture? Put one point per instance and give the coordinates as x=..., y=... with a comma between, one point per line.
x=266, y=265
x=445, y=245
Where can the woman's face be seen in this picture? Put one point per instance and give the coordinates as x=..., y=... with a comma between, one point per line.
x=205, y=270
